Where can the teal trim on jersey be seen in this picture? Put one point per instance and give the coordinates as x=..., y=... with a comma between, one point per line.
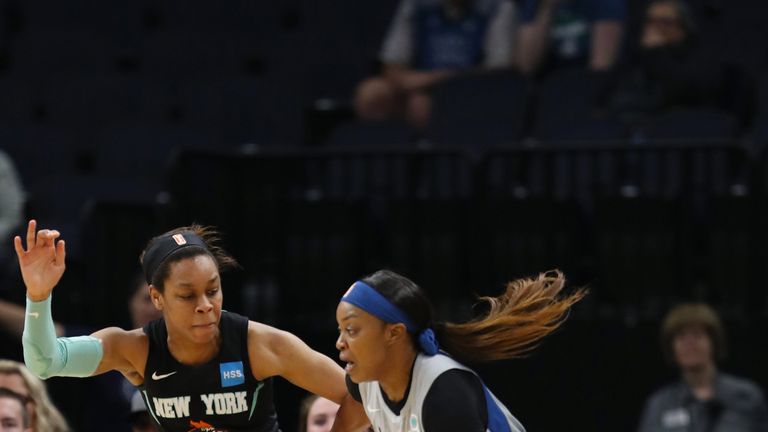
x=149, y=407
x=255, y=398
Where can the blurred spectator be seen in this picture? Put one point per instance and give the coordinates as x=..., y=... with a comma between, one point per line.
x=13, y=414
x=140, y=306
x=428, y=41
x=671, y=69
x=44, y=416
x=561, y=33
x=140, y=420
x=316, y=414
x=705, y=399
x=11, y=206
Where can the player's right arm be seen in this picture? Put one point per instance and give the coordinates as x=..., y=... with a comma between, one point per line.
x=42, y=265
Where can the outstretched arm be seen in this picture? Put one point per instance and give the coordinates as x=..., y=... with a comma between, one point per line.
x=274, y=352
x=42, y=265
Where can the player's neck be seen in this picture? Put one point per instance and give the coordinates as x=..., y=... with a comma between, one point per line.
x=398, y=377
x=192, y=354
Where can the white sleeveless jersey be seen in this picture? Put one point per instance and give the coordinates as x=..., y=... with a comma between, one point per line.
x=425, y=370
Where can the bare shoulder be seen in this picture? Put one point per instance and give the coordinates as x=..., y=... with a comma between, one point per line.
x=259, y=329
x=267, y=339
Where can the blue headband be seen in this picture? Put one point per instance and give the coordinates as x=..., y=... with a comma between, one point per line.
x=362, y=295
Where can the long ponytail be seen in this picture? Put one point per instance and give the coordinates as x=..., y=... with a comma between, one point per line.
x=517, y=320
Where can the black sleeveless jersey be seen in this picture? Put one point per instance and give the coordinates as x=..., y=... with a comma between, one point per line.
x=219, y=396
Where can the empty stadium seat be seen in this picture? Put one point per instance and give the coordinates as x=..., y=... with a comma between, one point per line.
x=479, y=110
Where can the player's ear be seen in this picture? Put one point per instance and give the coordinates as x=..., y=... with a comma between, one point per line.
x=395, y=333
x=156, y=296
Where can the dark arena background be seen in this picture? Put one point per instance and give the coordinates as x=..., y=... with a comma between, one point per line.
x=127, y=118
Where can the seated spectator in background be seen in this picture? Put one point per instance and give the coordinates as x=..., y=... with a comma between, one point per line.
x=43, y=415
x=316, y=414
x=428, y=41
x=140, y=420
x=705, y=399
x=562, y=33
x=671, y=68
x=11, y=206
x=13, y=414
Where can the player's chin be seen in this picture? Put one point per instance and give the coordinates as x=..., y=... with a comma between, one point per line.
x=355, y=373
x=354, y=379
x=204, y=333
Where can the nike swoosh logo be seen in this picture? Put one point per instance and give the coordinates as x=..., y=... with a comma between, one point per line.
x=373, y=410
x=34, y=315
x=157, y=377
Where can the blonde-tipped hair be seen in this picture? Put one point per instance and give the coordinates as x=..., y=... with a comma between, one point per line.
x=46, y=418
x=518, y=319
x=528, y=310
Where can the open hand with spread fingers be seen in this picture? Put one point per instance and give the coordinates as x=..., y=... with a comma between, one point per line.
x=42, y=263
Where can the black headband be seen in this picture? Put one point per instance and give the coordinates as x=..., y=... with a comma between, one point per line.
x=165, y=246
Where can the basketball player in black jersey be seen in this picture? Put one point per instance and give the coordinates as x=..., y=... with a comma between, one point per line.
x=199, y=368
